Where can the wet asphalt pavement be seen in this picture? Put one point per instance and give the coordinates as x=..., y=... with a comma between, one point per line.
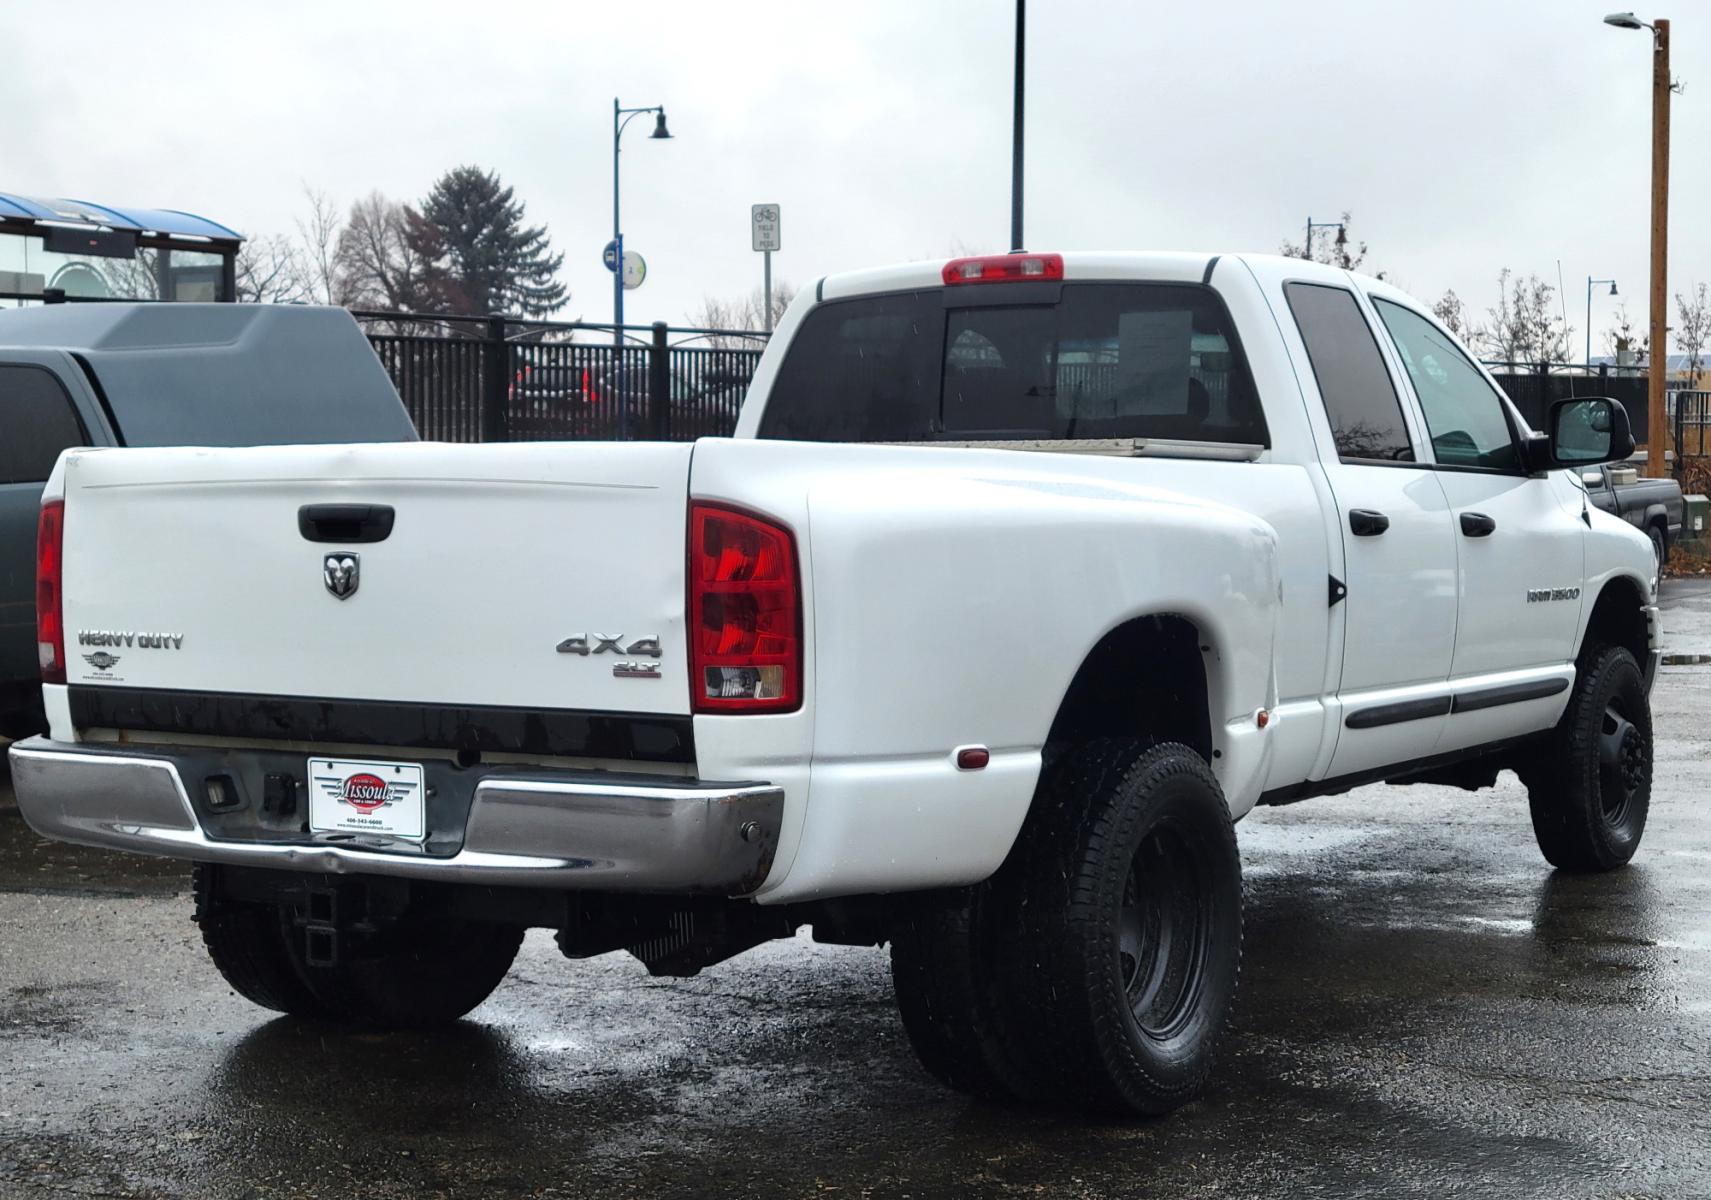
x=1426, y=1009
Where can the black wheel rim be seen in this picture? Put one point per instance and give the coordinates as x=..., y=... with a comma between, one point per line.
x=1164, y=927
x=1621, y=763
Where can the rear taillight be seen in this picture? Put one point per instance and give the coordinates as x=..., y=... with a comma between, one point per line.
x=50, y=616
x=1004, y=268
x=745, y=613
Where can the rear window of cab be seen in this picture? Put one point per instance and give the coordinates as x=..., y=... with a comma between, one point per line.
x=1061, y=361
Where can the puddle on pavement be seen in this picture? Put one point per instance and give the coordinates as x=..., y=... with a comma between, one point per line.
x=1686, y=660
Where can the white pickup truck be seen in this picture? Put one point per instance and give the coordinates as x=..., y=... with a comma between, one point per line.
x=1023, y=579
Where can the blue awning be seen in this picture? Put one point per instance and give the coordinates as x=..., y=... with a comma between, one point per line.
x=139, y=220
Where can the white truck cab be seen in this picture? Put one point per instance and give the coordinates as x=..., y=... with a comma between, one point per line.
x=1024, y=578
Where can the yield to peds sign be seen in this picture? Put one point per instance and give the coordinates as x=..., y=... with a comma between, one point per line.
x=764, y=226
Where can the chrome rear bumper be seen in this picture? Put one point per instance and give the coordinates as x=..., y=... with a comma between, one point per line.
x=543, y=828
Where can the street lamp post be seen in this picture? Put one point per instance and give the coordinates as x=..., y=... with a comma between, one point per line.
x=1590, y=281
x=1658, y=366
x=1342, y=235
x=621, y=117
x=1016, y=131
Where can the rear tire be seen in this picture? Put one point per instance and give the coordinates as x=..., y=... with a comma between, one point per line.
x=430, y=971
x=1660, y=548
x=422, y=970
x=942, y=976
x=1120, y=928
x=1590, y=786
x=248, y=945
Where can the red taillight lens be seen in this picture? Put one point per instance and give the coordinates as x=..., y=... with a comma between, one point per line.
x=745, y=613
x=1004, y=268
x=50, y=618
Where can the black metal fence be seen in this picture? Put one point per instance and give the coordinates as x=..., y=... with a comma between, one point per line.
x=1691, y=412
x=487, y=379
x=1534, y=387
x=470, y=379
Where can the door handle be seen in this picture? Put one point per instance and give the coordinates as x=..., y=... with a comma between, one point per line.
x=345, y=523
x=1477, y=524
x=1363, y=522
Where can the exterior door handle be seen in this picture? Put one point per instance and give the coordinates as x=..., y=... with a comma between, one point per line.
x=1363, y=522
x=1477, y=524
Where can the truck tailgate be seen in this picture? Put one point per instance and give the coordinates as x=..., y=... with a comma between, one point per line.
x=186, y=569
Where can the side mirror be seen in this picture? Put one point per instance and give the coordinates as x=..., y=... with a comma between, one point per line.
x=1589, y=431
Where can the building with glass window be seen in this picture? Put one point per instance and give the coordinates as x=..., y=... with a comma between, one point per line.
x=76, y=250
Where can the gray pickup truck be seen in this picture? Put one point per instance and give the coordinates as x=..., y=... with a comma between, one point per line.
x=1653, y=506
x=161, y=375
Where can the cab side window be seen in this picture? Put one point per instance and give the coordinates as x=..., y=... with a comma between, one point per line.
x=1464, y=414
x=1360, y=400
x=37, y=421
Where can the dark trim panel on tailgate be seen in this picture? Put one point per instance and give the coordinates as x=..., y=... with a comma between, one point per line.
x=643, y=737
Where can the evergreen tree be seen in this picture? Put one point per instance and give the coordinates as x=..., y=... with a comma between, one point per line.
x=485, y=260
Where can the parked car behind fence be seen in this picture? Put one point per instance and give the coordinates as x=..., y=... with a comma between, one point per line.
x=489, y=379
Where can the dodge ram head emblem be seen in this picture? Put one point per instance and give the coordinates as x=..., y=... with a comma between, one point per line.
x=340, y=573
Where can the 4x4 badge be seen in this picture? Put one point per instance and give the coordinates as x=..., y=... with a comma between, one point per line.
x=609, y=643
x=340, y=573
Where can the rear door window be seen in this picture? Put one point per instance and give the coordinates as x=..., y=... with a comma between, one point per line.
x=37, y=421
x=1360, y=399
x=1101, y=361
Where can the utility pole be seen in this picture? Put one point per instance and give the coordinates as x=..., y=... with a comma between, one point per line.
x=1016, y=132
x=1657, y=435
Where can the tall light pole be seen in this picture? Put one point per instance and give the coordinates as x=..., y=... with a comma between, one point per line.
x=1590, y=281
x=1342, y=234
x=621, y=117
x=1658, y=364
x=1016, y=131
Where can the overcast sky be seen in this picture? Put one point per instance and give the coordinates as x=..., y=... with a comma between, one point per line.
x=1465, y=135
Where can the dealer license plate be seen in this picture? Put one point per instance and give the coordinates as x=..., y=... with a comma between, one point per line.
x=350, y=796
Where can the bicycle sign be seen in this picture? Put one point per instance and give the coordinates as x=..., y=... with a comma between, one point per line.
x=764, y=227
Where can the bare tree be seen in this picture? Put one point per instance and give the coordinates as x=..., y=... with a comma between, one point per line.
x=745, y=312
x=1622, y=338
x=134, y=277
x=1454, y=314
x=318, y=237
x=377, y=261
x=1693, y=329
x=1334, y=250
x=1526, y=324
x=269, y=270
